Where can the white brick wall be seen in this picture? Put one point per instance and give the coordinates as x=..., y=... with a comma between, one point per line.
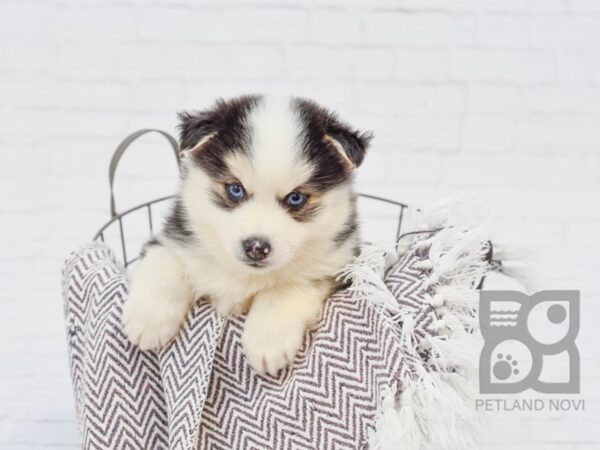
x=495, y=97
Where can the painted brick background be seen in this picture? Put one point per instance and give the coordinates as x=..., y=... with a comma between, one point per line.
x=499, y=98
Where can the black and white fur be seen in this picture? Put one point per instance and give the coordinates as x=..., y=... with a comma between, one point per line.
x=271, y=147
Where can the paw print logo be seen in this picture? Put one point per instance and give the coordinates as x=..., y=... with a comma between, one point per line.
x=505, y=367
x=522, y=333
x=510, y=362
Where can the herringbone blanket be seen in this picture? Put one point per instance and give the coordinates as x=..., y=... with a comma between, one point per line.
x=199, y=392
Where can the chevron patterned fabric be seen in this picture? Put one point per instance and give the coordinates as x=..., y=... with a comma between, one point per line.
x=199, y=392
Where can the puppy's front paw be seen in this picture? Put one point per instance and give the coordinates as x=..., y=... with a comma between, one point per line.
x=271, y=345
x=150, y=323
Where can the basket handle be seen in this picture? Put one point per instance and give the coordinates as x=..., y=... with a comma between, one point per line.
x=114, y=162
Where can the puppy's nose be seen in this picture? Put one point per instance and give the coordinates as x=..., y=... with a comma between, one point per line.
x=256, y=249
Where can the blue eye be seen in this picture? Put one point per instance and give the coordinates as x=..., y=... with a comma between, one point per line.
x=295, y=200
x=235, y=192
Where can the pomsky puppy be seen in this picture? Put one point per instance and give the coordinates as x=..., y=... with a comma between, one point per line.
x=265, y=216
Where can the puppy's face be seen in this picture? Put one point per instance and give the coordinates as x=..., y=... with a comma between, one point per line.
x=267, y=180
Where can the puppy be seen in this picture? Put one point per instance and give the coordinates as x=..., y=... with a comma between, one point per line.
x=264, y=218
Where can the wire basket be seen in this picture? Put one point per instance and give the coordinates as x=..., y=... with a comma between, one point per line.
x=116, y=219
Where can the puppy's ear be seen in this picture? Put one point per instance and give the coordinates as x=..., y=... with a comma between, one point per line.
x=196, y=129
x=351, y=144
x=226, y=117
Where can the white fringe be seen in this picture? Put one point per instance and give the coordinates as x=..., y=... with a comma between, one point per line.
x=436, y=408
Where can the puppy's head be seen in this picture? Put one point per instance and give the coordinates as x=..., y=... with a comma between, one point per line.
x=267, y=180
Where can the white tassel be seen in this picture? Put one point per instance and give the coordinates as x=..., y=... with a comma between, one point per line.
x=438, y=299
x=397, y=424
x=366, y=275
x=517, y=263
x=457, y=296
x=435, y=410
x=426, y=264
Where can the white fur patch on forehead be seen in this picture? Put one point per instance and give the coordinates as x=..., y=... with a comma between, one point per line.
x=275, y=135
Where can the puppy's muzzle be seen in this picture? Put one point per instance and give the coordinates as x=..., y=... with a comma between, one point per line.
x=256, y=249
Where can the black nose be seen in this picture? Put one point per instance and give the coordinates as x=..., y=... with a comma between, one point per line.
x=256, y=249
